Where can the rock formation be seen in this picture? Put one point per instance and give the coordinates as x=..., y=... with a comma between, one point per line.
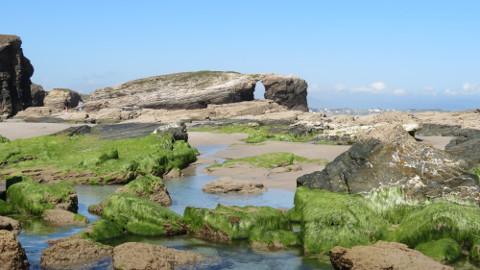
x=60, y=217
x=38, y=95
x=71, y=253
x=229, y=185
x=388, y=157
x=382, y=255
x=194, y=90
x=15, y=73
x=57, y=98
x=12, y=255
x=139, y=256
x=9, y=224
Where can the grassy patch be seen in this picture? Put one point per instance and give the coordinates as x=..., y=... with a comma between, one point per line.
x=141, y=216
x=444, y=250
x=104, y=160
x=227, y=223
x=33, y=198
x=258, y=134
x=269, y=160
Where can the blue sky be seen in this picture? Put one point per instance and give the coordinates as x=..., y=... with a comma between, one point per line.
x=360, y=54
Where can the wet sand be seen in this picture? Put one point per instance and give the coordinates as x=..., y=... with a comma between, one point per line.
x=21, y=130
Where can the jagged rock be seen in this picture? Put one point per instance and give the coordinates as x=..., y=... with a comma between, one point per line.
x=38, y=95
x=12, y=255
x=60, y=217
x=57, y=98
x=195, y=90
x=142, y=256
x=177, y=130
x=388, y=156
x=286, y=90
x=382, y=255
x=15, y=73
x=9, y=224
x=228, y=185
x=70, y=253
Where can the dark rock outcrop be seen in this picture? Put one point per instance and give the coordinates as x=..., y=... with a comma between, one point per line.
x=195, y=90
x=15, y=73
x=12, y=255
x=382, y=255
x=389, y=157
x=70, y=253
x=38, y=95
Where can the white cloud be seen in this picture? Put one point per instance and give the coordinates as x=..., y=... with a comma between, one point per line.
x=378, y=86
x=399, y=92
x=430, y=90
x=340, y=87
x=450, y=92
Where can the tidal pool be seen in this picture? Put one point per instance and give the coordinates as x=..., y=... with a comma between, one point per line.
x=186, y=191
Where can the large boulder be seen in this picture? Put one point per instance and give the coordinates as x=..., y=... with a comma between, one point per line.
x=38, y=95
x=12, y=255
x=15, y=73
x=57, y=98
x=382, y=255
x=389, y=157
x=142, y=256
x=72, y=253
x=288, y=91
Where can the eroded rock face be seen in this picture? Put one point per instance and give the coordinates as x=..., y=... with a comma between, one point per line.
x=12, y=255
x=382, y=255
x=196, y=90
x=70, y=253
x=389, y=157
x=15, y=73
x=59, y=97
x=142, y=256
x=38, y=95
x=228, y=185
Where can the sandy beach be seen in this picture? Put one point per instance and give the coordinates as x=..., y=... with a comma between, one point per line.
x=21, y=130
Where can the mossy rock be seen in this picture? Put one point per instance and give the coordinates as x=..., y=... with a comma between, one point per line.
x=6, y=208
x=141, y=216
x=332, y=219
x=3, y=139
x=227, y=223
x=103, y=230
x=440, y=220
x=33, y=198
x=148, y=186
x=444, y=250
x=475, y=254
x=273, y=240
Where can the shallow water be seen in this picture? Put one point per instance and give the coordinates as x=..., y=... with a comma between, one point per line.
x=184, y=192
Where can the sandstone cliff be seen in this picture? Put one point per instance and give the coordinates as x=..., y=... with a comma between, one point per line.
x=15, y=73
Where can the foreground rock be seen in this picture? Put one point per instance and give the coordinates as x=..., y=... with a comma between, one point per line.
x=10, y=224
x=194, y=90
x=57, y=98
x=141, y=256
x=382, y=255
x=12, y=255
x=389, y=157
x=74, y=253
x=15, y=73
x=228, y=185
x=60, y=217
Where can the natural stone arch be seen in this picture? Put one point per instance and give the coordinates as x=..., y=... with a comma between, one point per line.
x=259, y=91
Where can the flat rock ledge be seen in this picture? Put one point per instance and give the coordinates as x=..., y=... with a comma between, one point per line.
x=60, y=217
x=382, y=255
x=227, y=185
x=141, y=256
x=12, y=255
x=70, y=253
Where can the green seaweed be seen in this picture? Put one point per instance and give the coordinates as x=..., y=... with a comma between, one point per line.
x=392, y=204
x=475, y=253
x=29, y=197
x=273, y=239
x=103, y=230
x=6, y=208
x=100, y=161
x=269, y=160
x=440, y=220
x=444, y=250
x=3, y=139
x=227, y=223
x=332, y=219
x=147, y=186
x=140, y=216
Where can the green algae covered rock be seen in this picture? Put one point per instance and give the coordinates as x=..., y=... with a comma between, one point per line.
x=444, y=250
x=475, y=253
x=440, y=220
x=150, y=187
x=141, y=216
x=227, y=223
x=333, y=219
x=273, y=240
x=33, y=198
x=6, y=208
x=3, y=139
x=103, y=230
